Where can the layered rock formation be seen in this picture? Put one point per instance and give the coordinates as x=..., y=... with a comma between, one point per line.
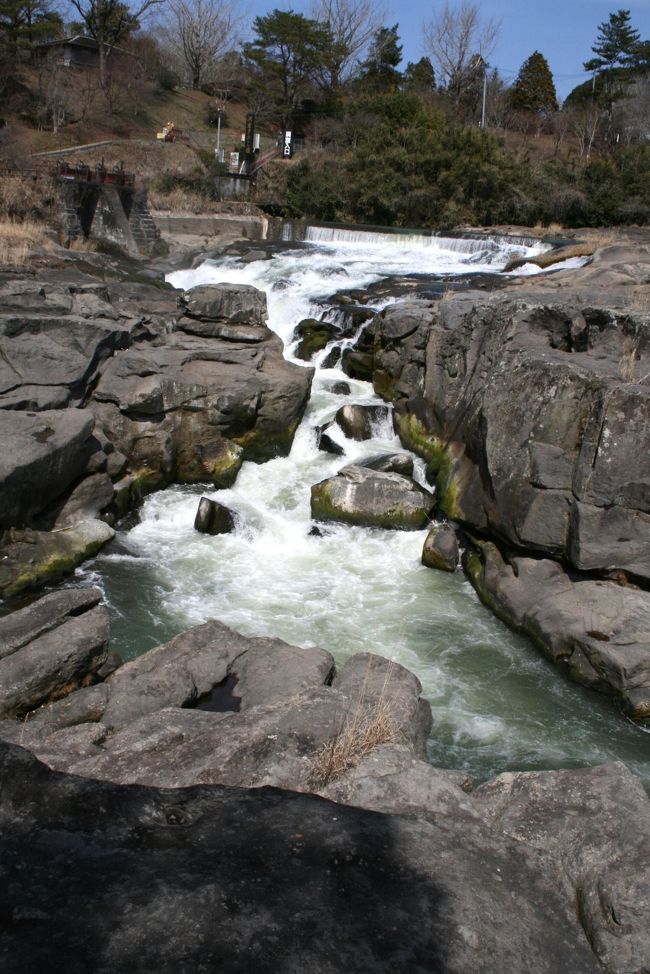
x=110, y=390
x=531, y=407
x=545, y=871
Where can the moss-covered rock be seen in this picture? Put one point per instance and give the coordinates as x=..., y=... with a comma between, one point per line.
x=371, y=498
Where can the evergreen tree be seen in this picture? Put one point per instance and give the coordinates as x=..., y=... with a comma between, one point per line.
x=615, y=44
x=534, y=89
x=290, y=50
x=420, y=77
x=379, y=72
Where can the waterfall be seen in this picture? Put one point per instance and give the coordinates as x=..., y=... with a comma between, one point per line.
x=497, y=704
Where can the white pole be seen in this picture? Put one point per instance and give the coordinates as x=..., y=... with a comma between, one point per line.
x=218, y=149
x=485, y=67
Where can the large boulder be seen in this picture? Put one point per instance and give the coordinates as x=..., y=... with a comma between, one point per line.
x=359, y=422
x=234, y=304
x=440, y=549
x=213, y=518
x=371, y=498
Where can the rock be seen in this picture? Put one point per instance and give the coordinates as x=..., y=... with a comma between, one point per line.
x=193, y=878
x=540, y=371
x=313, y=336
x=358, y=422
x=603, y=848
x=401, y=463
x=30, y=559
x=232, y=303
x=598, y=630
x=371, y=498
x=50, y=648
x=213, y=518
x=441, y=548
x=326, y=443
x=41, y=455
x=340, y=388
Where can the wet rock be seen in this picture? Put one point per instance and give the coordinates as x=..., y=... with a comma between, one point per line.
x=340, y=388
x=371, y=498
x=213, y=518
x=313, y=336
x=598, y=630
x=440, y=549
x=326, y=443
x=358, y=422
x=401, y=463
x=51, y=647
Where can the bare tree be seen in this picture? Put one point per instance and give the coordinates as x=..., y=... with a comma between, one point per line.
x=198, y=33
x=457, y=40
x=352, y=24
x=109, y=22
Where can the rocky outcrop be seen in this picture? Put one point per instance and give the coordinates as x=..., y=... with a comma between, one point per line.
x=597, y=630
x=530, y=407
x=313, y=336
x=371, y=498
x=544, y=871
x=223, y=878
x=162, y=718
x=50, y=648
x=119, y=381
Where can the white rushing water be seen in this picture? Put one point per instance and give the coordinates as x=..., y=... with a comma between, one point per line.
x=496, y=703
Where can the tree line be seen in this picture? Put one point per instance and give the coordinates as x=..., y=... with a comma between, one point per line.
x=399, y=144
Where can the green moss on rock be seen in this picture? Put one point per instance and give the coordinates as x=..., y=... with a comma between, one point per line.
x=440, y=464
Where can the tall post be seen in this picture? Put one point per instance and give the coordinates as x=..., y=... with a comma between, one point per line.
x=485, y=67
x=217, y=151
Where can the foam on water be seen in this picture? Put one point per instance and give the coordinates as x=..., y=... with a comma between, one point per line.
x=497, y=703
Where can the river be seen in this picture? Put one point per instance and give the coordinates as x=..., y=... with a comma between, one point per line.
x=497, y=704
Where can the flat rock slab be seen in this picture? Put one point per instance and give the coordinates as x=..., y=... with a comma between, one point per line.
x=138, y=879
x=371, y=498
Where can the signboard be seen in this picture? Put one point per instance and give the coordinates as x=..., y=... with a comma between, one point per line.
x=287, y=146
x=234, y=161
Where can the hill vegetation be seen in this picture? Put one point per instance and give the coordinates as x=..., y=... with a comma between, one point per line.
x=435, y=143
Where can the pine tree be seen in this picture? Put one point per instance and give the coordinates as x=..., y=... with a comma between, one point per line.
x=420, y=77
x=615, y=44
x=379, y=71
x=534, y=89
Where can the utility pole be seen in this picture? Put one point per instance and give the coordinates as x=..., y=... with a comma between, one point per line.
x=217, y=150
x=485, y=67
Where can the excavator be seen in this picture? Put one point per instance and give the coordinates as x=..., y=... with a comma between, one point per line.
x=171, y=134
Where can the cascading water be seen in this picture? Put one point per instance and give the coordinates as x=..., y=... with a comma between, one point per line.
x=497, y=704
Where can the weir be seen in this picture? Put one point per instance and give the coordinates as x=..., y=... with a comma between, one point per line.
x=497, y=704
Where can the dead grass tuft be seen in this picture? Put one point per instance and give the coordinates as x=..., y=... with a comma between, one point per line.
x=639, y=301
x=17, y=241
x=629, y=358
x=358, y=737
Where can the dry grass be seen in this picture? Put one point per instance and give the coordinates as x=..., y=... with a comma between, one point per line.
x=357, y=738
x=629, y=358
x=18, y=240
x=180, y=200
x=639, y=301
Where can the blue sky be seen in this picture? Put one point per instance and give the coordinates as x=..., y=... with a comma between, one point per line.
x=563, y=30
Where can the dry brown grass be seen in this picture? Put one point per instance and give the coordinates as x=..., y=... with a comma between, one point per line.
x=360, y=734
x=18, y=240
x=629, y=358
x=180, y=200
x=23, y=199
x=640, y=300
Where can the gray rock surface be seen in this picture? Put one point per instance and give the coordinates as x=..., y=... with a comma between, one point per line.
x=371, y=498
x=440, y=548
x=213, y=518
x=169, y=394
x=50, y=648
x=358, y=422
x=141, y=879
x=598, y=630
